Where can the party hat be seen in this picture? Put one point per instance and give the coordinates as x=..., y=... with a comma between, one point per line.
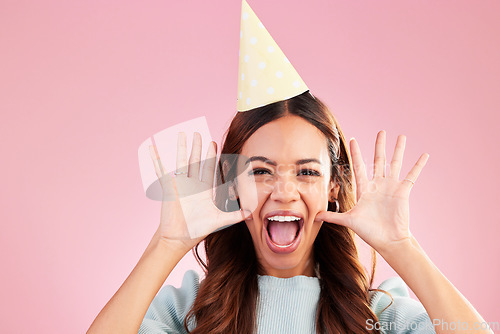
x=265, y=74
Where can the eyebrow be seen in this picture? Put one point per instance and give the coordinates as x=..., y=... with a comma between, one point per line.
x=273, y=163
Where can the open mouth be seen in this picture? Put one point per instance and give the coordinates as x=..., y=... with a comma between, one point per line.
x=283, y=231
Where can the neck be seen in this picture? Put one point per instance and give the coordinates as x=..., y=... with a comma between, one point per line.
x=309, y=269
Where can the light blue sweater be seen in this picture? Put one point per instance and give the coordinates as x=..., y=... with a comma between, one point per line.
x=288, y=305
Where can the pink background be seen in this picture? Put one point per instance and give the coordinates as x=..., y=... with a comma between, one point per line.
x=83, y=83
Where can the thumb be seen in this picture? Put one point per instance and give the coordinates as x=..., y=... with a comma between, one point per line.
x=333, y=217
x=234, y=217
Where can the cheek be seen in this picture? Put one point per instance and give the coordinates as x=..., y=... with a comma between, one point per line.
x=248, y=195
x=251, y=227
x=255, y=228
x=252, y=194
x=315, y=231
x=315, y=195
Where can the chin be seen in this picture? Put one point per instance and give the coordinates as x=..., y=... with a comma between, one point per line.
x=283, y=262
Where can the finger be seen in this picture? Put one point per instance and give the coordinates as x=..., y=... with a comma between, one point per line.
x=415, y=171
x=194, y=159
x=209, y=165
x=334, y=218
x=233, y=217
x=397, y=158
x=159, y=170
x=181, y=164
x=379, y=160
x=359, y=167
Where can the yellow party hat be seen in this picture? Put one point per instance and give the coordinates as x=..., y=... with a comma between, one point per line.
x=265, y=74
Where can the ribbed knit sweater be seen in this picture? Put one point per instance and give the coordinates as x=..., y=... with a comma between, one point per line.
x=288, y=306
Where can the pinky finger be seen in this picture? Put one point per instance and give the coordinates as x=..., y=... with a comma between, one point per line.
x=156, y=162
x=417, y=168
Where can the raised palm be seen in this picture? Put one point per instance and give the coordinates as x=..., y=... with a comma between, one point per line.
x=188, y=212
x=381, y=214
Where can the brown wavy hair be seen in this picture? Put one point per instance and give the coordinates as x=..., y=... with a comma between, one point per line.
x=227, y=297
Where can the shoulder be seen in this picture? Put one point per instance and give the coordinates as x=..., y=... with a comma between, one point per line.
x=170, y=306
x=404, y=314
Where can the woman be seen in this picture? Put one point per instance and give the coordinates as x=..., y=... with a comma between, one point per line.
x=289, y=264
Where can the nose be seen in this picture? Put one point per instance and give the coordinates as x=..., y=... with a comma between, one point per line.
x=285, y=190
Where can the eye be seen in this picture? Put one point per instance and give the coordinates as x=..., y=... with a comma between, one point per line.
x=259, y=171
x=309, y=172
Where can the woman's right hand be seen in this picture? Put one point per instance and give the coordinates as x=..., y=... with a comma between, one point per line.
x=188, y=212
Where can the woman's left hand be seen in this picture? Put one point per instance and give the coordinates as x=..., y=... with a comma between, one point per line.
x=381, y=214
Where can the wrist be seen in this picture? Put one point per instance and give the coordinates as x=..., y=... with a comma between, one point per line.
x=169, y=247
x=398, y=248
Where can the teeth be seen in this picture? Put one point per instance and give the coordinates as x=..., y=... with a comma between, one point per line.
x=284, y=218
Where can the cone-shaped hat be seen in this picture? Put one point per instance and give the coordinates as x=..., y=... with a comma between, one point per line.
x=265, y=74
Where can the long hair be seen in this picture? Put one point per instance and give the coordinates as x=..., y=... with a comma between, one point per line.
x=227, y=297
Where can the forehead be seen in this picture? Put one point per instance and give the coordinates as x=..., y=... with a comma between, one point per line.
x=287, y=139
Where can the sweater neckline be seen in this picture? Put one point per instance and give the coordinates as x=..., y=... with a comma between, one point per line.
x=300, y=277
x=294, y=282
x=283, y=278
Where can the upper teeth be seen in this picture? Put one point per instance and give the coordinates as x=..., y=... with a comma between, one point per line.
x=284, y=218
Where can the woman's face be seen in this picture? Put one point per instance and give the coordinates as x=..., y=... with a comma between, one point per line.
x=284, y=178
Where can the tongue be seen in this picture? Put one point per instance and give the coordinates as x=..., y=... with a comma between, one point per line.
x=283, y=233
